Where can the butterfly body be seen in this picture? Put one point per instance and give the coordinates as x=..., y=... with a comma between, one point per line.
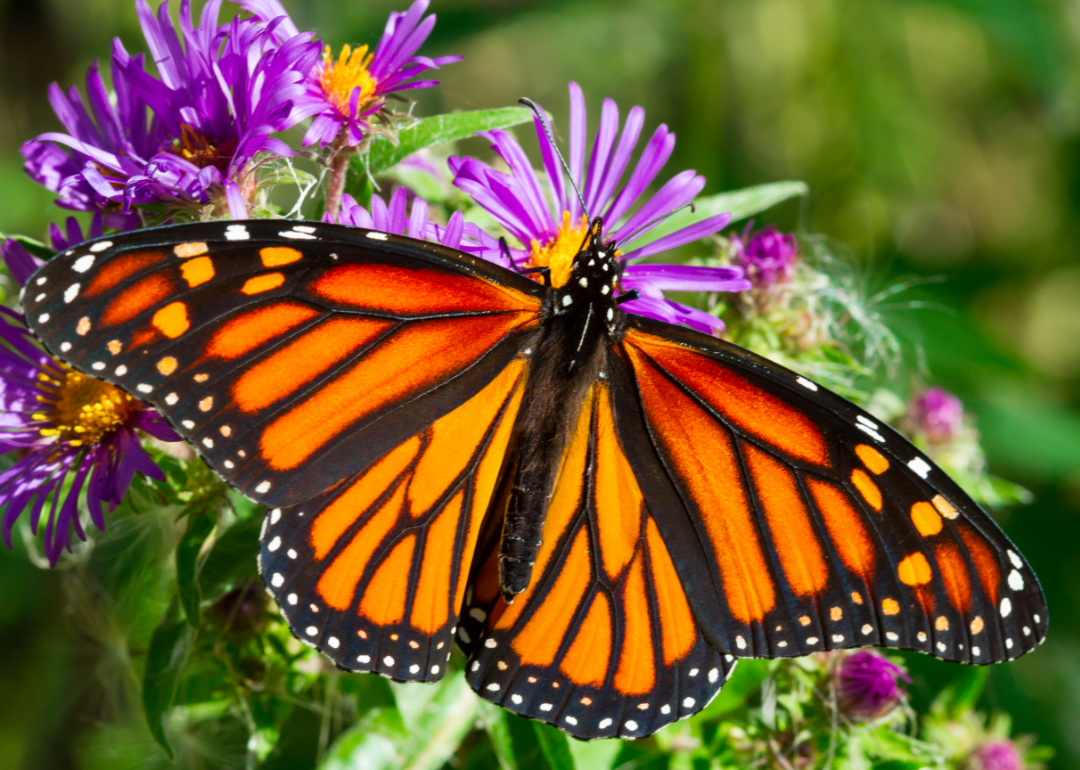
x=603, y=511
x=580, y=322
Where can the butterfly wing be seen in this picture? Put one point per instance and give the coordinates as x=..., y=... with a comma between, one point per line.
x=802, y=523
x=603, y=642
x=279, y=346
x=373, y=571
x=365, y=385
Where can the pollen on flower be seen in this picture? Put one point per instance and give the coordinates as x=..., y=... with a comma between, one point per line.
x=339, y=79
x=559, y=252
x=82, y=410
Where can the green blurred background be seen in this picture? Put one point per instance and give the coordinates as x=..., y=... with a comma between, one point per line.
x=938, y=138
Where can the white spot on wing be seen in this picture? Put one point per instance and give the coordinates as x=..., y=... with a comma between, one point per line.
x=870, y=432
x=43, y=318
x=71, y=292
x=1006, y=607
x=274, y=544
x=806, y=383
x=236, y=233
x=263, y=488
x=296, y=236
x=100, y=246
x=1016, y=581
x=278, y=580
x=1016, y=560
x=920, y=466
x=377, y=236
x=65, y=347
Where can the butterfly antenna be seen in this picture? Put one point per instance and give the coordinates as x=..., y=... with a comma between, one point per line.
x=656, y=221
x=551, y=139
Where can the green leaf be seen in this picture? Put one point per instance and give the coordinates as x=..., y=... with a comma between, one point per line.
x=199, y=526
x=421, y=734
x=233, y=558
x=965, y=690
x=382, y=153
x=741, y=204
x=495, y=721
x=555, y=746
x=375, y=742
x=170, y=646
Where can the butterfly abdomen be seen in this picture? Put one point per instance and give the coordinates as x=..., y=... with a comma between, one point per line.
x=563, y=372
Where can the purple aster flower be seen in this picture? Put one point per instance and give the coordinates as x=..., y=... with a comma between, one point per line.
x=997, y=754
x=866, y=684
x=191, y=137
x=550, y=226
x=345, y=92
x=392, y=218
x=71, y=433
x=937, y=413
x=768, y=255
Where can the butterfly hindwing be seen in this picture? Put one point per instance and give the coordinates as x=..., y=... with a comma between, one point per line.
x=603, y=642
x=373, y=572
x=804, y=524
x=280, y=347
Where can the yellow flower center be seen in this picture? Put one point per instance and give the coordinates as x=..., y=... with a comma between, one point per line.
x=559, y=252
x=340, y=78
x=83, y=410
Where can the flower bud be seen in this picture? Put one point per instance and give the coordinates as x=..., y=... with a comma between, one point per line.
x=996, y=754
x=768, y=256
x=937, y=413
x=866, y=685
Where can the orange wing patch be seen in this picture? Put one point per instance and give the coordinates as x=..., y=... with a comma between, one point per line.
x=240, y=335
x=704, y=454
x=304, y=360
x=846, y=528
x=587, y=660
x=134, y=300
x=386, y=375
x=118, y=270
x=737, y=399
x=415, y=291
x=789, y=524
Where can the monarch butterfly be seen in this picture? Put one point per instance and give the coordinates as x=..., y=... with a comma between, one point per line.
x=603, y=510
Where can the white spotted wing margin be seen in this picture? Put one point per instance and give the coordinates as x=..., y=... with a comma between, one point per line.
x=859, y=538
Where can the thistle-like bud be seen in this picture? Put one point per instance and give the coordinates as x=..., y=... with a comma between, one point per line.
x=996, y=754
x=866, y=685
x=937, y=413
x=768, y=256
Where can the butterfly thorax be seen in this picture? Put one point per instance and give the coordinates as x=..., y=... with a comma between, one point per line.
x=581, y=319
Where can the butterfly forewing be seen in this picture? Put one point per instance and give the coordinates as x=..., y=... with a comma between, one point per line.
x=280, y=349
x=805, y=524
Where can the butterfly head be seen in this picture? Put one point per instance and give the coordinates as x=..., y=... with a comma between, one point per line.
x=594, y=278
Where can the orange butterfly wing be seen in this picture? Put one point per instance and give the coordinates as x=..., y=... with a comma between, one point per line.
x=603, y=642
x=363, y=385
x=279, y=346
x=803, y=523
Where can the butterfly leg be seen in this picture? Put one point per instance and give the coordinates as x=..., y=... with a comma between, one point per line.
x=545, y=273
